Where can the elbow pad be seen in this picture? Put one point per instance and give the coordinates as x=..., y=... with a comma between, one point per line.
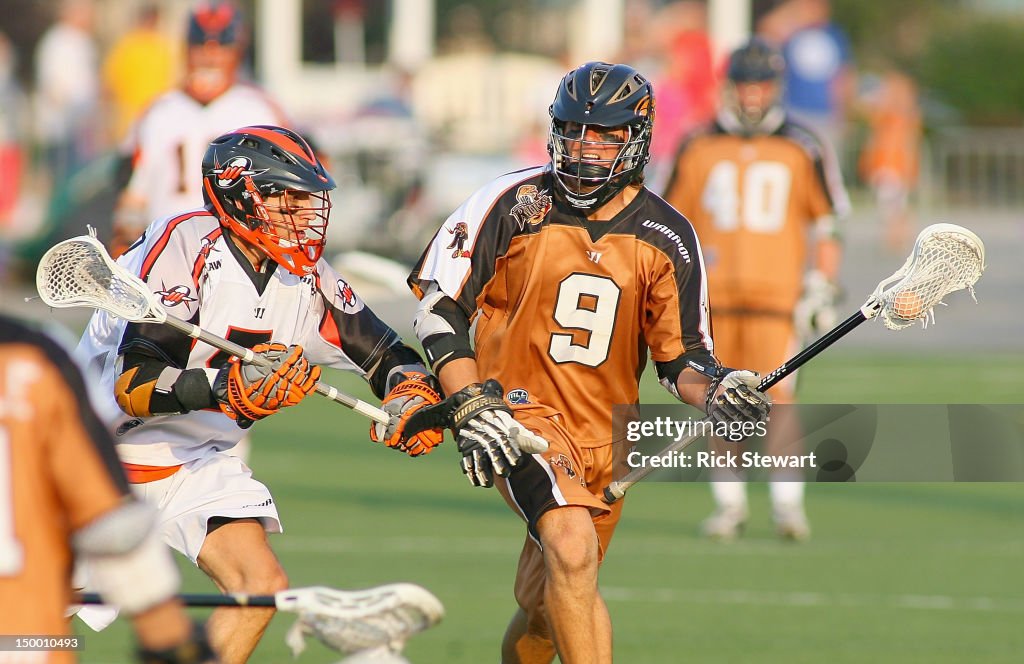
x=443, y=329
x=151, y=388
x=126, y=561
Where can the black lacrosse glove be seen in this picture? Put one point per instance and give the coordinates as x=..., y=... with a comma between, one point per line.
x=735, y=404
x=485, y=432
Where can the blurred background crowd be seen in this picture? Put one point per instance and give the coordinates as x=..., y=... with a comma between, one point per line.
x=417, y=102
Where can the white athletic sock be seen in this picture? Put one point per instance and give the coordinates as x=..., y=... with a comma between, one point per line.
x=730, y=494
x=786, y=494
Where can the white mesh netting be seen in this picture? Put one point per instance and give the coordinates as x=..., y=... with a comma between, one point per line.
x=355, y=621
x=79, y=272
x=946, y=259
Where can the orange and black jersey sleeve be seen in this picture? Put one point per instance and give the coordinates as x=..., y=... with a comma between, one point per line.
x=567, y=309
x=59, y=472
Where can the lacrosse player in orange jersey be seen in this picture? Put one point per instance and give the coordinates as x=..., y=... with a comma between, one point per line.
x=247, y=267
x=755, y=185
x=63, y=494
x=573, y=271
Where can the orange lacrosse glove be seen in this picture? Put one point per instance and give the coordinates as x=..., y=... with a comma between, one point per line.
x=417, y=391
x=248, y=392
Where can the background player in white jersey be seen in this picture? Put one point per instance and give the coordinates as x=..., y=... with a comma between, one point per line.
x=166, y=145
x=574, y=272
x=247, y=267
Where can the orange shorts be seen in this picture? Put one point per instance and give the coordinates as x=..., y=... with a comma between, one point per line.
x=759, y=342
x=564, y=475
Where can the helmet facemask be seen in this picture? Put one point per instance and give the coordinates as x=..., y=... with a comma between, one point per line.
x=289, y=226
x=592, y=163
x=754, y=103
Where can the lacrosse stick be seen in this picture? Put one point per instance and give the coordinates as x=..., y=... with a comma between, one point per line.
x=346, y=621
x=946, y=258
x=79, y=273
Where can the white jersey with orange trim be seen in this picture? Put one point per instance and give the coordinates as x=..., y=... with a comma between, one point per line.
x=200, y=276
x=168, y=142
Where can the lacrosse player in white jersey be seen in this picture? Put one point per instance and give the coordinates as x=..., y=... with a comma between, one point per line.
x=166, y=145
x=248, y=267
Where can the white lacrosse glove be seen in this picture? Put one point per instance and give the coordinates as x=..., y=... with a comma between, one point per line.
x=815, y=313
x=736, y=405
x=492, y=443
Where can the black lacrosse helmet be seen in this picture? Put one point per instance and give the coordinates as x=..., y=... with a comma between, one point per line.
x=216, y=21
x=244, y=167
x=609, y=96
x=757, y=61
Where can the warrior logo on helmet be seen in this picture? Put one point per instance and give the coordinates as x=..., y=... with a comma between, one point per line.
x=532, y=207
x=461, y=234
x=230, y=173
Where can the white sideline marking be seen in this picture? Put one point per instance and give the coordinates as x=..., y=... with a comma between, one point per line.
x=625, y=544
x=809, y=599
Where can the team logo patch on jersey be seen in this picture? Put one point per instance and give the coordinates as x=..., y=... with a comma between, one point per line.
x=460, y=235
x=533, y=205
x=234, y=170
x=565, y=463
x=206, y=248
x=172, y=297
x=350, y=304
x=518, y=396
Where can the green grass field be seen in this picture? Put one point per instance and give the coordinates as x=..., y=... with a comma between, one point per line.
x=894, y=573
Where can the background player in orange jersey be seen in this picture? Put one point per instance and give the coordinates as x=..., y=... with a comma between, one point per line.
x=573, y=271
x=63, y=494
x=755, y=185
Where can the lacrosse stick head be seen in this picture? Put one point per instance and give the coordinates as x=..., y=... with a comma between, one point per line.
x=80, y=273
x=380, y=618
x=946, y=258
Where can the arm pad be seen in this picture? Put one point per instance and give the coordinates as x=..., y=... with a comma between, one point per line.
x=148, y=386
x=126, y=561
x=443, y=328
x=700, y=360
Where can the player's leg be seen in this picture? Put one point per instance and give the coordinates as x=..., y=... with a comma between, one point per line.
x=776, y=342
x=238, y=558
x=553, y=488
x=528, y=635
x=728, y=488
x=214, y=512
x=576, y=611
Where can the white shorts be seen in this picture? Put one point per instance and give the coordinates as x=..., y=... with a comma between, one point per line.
x=217, y=484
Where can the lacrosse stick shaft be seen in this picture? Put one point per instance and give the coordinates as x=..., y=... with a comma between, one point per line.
x=804, y=356
x=618, y=489
x=246, y=354
x=202, y=600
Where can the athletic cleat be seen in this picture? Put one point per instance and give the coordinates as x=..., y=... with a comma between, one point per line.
x=375, y=619
x=791, y=524
x=725, y=524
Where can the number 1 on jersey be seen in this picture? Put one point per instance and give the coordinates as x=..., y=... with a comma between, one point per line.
x=589, y=303
x=10, y=548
